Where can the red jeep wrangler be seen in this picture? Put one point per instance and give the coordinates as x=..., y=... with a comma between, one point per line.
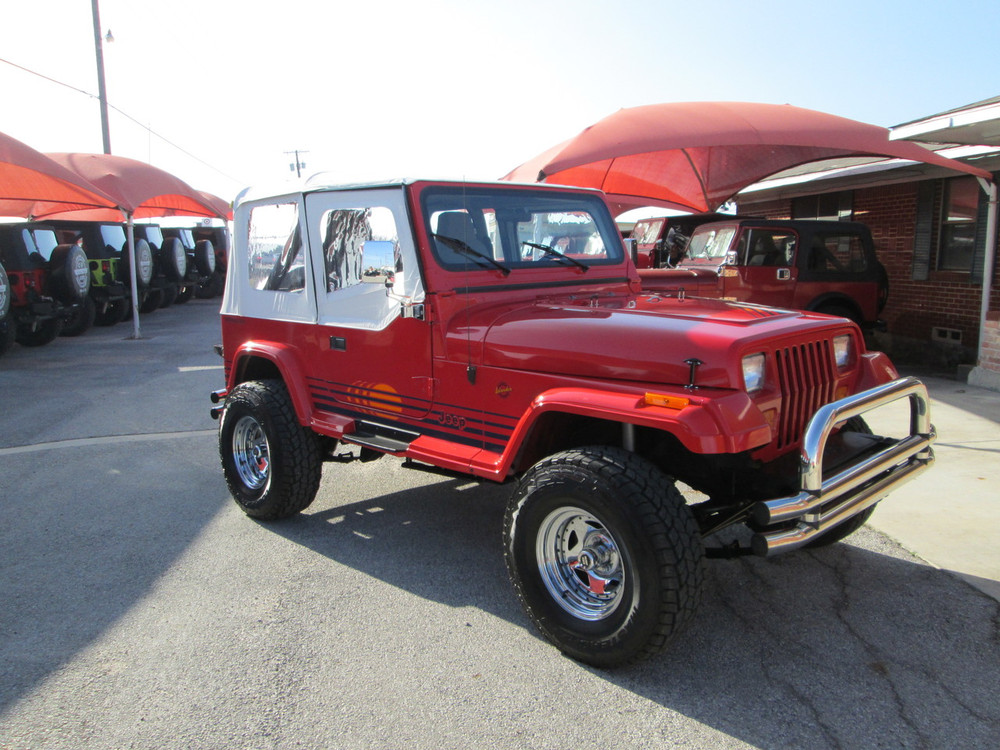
x=821, y=266
x=442, y=323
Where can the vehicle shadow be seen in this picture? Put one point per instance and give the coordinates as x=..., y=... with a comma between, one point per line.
x=846, y=646
x=87, y=532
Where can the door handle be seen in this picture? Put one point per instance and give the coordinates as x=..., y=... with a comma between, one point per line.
x=338, y=343
x=784, y=274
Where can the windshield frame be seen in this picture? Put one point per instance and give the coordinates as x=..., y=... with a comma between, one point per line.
x=506, y=215
x=716, y=249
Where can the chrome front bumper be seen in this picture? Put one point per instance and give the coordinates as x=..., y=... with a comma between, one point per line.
x=822, y=503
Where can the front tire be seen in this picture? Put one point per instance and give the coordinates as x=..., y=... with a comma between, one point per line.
x=604, y=554
x=272, y=464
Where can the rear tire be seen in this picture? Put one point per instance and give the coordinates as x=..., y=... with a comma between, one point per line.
x=40, y=334
x=185, y=293
x=272, y=464
x=152, y=301
x=7, y=332
x=169, y=295
x=114, y=313
x=604, y=554
x=81, y=320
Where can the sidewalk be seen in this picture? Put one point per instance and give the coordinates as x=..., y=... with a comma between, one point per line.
x=950, y=515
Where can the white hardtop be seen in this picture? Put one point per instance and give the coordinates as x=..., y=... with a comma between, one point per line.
x=322, y=183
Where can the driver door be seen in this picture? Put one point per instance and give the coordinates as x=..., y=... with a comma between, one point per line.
x=765, y=271
x=375, y=348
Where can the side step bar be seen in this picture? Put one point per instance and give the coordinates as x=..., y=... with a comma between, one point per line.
x=380, y=437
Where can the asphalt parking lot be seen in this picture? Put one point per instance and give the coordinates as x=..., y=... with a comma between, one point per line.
x=139, y=608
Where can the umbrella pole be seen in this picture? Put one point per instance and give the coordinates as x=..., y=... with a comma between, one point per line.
x=136, y=334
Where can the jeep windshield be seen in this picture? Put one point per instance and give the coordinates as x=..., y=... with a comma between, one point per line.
x=511, y=230
x=710, y=243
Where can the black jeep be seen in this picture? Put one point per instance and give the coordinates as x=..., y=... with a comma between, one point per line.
x=49, y=284
x=106, y=245
x=200, y=260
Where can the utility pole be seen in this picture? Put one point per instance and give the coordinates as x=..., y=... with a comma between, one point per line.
x=298, y=165
x=101, y=89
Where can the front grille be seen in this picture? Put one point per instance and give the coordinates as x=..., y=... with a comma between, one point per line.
x=806, y=378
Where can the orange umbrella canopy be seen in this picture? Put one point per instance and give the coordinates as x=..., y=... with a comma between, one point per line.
x=141, y=189
x=697, y=155
x=225, y=209
x=31, y=184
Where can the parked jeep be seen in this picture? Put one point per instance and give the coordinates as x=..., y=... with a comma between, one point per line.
x=200, y=265
x=219, y=237
x=821, y=266
x=170, y=265
x=48, y=285
x=106, y=245
x=662, y=240
x=439, y=323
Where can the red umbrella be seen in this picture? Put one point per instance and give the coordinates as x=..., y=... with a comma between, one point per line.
x=31, y=184
x=141, y=189
x=697, y=155
x=223, y=207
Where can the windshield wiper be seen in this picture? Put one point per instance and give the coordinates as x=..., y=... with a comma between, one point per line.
x=556, y=254
x=465, y=249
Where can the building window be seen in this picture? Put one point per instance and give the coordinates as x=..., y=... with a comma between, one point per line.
x=828, y=206
x=958, y=225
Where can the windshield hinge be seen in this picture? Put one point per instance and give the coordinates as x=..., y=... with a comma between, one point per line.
x=411, y=310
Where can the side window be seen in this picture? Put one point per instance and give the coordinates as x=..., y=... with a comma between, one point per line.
x=360, y=245
x=958, y=225
x=768, y=247
x=275, y=256
x=837, y=253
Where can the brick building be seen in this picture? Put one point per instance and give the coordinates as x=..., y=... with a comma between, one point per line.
x=935, y=232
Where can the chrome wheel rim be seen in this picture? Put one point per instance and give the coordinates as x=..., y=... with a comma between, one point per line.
x=251, y=453
x=580, y=564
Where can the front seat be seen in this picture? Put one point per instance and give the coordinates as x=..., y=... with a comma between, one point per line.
x=458, y=225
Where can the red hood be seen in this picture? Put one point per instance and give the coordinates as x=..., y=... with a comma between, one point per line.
x=690, y=278
x=643, y=338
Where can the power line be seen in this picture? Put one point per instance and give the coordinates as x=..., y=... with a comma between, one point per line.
x=125, y=115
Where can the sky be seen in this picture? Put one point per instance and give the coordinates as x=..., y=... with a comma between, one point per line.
x=219, y=91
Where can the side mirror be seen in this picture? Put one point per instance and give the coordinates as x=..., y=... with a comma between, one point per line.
x=730, y=258
x=378, y=261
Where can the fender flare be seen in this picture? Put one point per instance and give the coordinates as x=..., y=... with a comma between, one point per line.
x=284, y=358
x=705, y=422
x=838, y=300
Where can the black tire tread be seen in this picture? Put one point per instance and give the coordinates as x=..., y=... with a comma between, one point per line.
x=296, y=461
x=659, y=507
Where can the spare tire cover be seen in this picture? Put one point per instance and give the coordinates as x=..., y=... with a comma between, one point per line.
x=70, y=272
x=204, y=257
x=143, y=265
x=173, y=256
